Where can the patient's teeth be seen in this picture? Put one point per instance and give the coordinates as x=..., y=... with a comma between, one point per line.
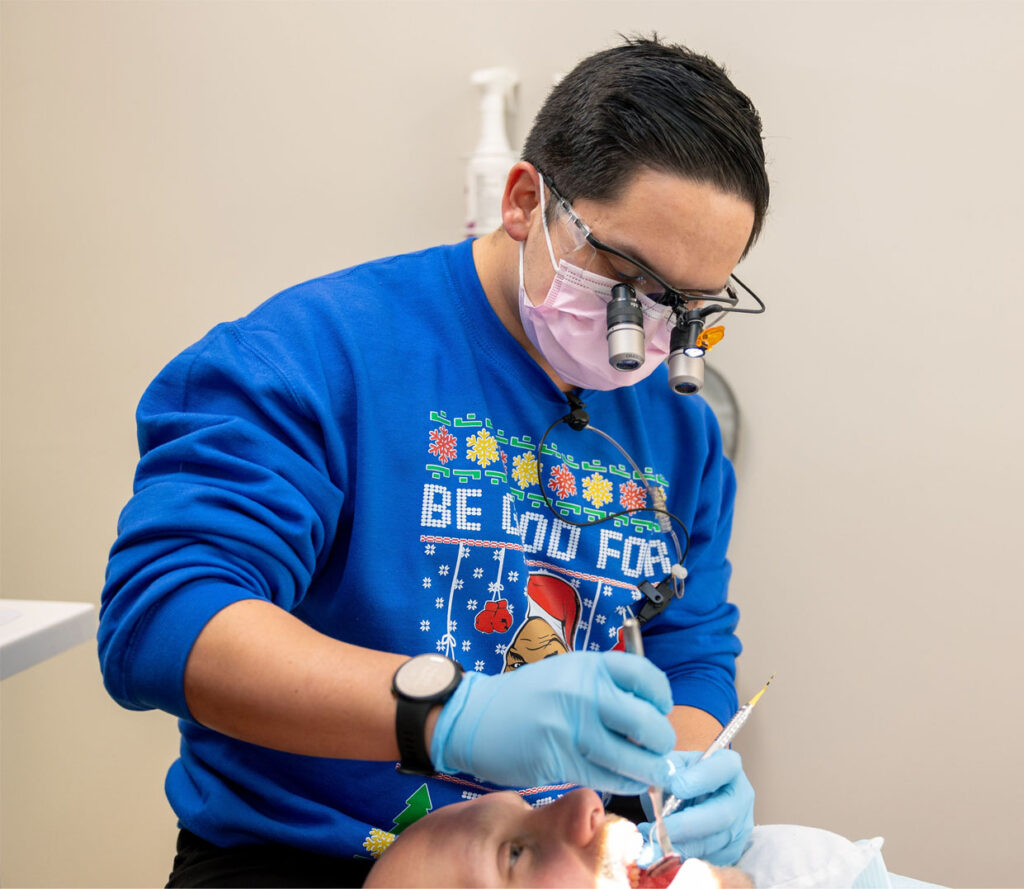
x=620, y=846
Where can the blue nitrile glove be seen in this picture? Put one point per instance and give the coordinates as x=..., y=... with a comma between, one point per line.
x=717, y=816
x=571, y=718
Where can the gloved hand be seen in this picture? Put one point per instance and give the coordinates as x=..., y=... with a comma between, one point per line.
x=718, y=813
x=596, y=719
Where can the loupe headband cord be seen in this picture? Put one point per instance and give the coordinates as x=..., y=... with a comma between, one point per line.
x=760, y=304
x=573, y=419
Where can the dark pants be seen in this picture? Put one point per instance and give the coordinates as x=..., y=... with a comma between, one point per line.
x=199, y=863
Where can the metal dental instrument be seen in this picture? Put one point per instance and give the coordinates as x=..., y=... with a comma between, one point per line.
x=634, y=644
x=723, y=740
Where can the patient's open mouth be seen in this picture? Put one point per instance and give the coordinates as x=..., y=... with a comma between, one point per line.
x=658, y=876
x=621, y=845
x=617, y=867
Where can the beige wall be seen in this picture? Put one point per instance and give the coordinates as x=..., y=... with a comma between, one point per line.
x=167, y=165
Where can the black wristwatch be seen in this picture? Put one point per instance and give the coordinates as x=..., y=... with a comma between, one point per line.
x=419, y=684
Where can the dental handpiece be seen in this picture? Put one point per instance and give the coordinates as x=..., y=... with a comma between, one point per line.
x=723, y=740
x=633, y=642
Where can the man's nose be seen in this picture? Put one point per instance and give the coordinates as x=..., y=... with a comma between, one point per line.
x=577, y=817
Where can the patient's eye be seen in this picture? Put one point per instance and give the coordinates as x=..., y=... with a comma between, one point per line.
x=513, y=852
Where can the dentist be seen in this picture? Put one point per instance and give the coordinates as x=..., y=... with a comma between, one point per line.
x=339, y=507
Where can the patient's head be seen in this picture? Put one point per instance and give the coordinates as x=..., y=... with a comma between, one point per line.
x=500, y=840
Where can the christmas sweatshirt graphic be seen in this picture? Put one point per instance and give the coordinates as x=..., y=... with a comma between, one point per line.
x=526, y=587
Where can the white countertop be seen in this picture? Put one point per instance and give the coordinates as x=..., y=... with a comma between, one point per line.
x=32, y=630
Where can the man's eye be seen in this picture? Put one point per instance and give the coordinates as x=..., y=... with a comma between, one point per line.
x=628, y=274
x=630, y=279
x=703, y=296
x=637, y=279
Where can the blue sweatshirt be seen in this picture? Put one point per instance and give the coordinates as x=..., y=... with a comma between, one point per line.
x=360, y=450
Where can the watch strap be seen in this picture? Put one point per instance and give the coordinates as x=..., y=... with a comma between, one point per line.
x=410, y=729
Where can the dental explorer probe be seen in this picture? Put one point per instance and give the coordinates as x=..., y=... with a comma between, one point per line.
x=634, y=644
x=723, y=740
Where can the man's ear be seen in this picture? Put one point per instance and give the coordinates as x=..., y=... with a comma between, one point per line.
x=520, y=200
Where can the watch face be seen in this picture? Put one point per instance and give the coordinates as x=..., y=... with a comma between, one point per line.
x=425, y=676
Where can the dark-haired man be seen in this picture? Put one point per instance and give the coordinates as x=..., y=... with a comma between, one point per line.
x=320, y=538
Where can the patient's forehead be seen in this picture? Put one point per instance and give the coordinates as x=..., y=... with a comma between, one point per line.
x=454, y=846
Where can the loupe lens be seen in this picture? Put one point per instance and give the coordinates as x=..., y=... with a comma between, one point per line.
x=685, y=373
x=626, y=347
x=625, y=329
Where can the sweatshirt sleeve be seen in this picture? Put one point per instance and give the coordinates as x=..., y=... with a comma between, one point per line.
x=233, y=499
x=694, y=639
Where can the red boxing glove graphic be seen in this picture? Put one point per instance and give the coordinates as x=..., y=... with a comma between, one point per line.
x=502, y=616
x=495, y=618
x=485, y=619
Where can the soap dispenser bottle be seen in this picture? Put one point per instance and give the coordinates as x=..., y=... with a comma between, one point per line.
x=489, y=164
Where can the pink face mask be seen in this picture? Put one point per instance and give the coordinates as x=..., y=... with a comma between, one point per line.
x=570, y=328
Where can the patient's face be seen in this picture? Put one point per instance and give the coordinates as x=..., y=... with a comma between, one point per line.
x=499, y=840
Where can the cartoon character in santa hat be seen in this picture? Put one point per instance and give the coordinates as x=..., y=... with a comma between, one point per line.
x=552, y=618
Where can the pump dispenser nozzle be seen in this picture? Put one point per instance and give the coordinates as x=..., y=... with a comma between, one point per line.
x=490, y=162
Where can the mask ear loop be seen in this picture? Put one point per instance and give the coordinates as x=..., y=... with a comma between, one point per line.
x=547, y=237
x=544, y=223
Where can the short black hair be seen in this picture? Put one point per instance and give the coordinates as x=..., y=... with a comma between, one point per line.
x=649, y=104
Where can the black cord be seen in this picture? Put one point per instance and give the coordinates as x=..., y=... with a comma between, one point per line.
x=577, y=419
